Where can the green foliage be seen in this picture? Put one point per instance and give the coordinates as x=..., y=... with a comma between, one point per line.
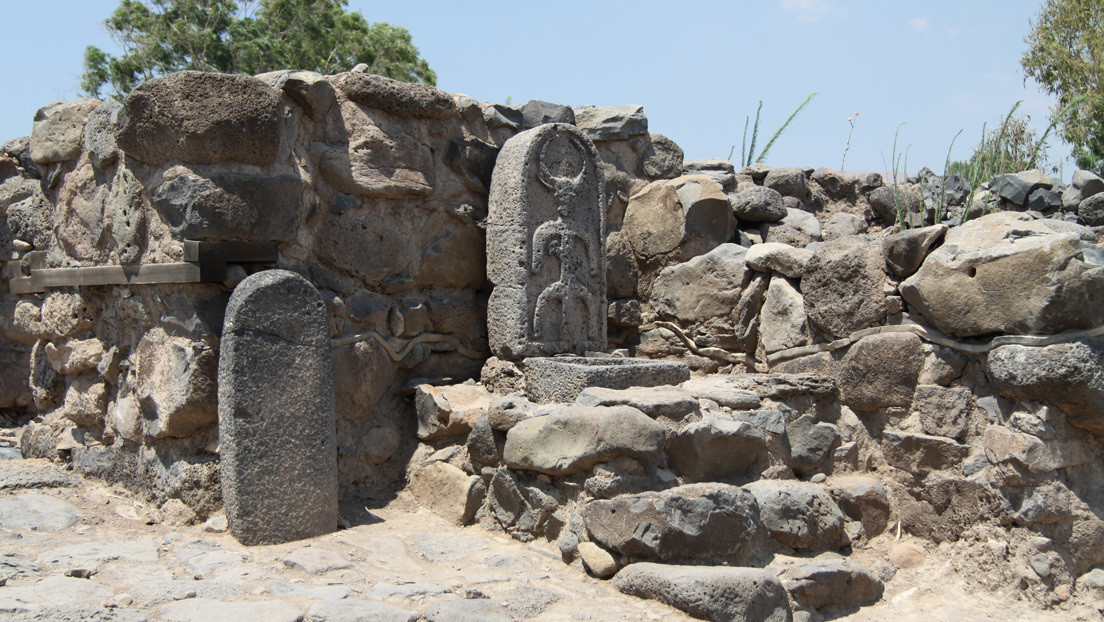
x=748, y=153
x=900, y=192
x=254, y=36
x=1010, y=148
x=1066, y=56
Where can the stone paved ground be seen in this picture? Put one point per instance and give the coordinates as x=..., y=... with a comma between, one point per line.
x=74, y=549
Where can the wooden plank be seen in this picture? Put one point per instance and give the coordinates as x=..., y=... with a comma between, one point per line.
x=232, y=252
x=11, y=270
x=23, y=285
x=148, y=274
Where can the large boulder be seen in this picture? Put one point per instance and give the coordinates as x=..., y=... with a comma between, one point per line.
x=176, y=384
x=231, y=207
x=600, y=123
x=798, y=514
x=758, y=204
x=716, y=448
x=705, y=287
x=201, y=118
x=881, y=370
x=1007, y=273
x=689, y=213
x=827, y=583
x=709, y=592
x=844, y=285
x=58, y=131
x=688, y=522
x=1068, y=375
x=783, y=323
x=403, y=99
x=572, y=439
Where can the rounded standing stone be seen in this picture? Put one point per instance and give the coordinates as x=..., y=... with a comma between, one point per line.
x=277, y=430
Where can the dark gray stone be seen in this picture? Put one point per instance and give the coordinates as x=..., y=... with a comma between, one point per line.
x=1091, y=210
x=561, y=379
x=881, y=370
x=863, y=499
x=944, y=411
x=695, y=521
x=309, y=89
x=663, y=159
x=276, y=411
x=611, y=122
x=669, y=402
x=922, y=453
x=1044, y=200
x=1013, y=188
x=22, y=474
x=403, y=99
x=758, y=204
x=906, y=250
x=536, y=112
x=1084, y=185
x=502, y=115
x=831, y=583
x=789, y=182
x=722, y=171
x=1067, y=375
x=716, y=449
x=201, y=117
x=709, y=592
x=798, y=514
x=705, y=287
x=99, y=134
x=844, y=285
x=231, y=206
x=546, y=246
x=811, y=443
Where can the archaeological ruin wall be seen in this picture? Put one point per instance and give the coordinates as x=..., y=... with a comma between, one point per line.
x=745, y=342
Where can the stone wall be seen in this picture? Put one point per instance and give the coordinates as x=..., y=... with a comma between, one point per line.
x=958, y=362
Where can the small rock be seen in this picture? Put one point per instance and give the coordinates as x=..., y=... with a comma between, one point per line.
x=906, y=555
x=597, y=560
x=216, y=524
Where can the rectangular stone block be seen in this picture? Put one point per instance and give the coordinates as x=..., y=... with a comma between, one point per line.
x=561, y=379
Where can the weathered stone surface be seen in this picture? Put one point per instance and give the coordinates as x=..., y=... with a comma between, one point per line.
x=208, y=610
x=709, y=592
x=758, y=204
x=705, y=287
x=663, y=158
x=825, y=583
x=56, y=590
x=663, y=401
x=687, y=522
x=1091, y=210
x=153, y=592
x=944, y=411
x=783, y=323
x=1003, y=445
x=309, y=89
x=922, y=453
x=546, y=246
x=466, y=610
x=403, y=99
x=176, y=384
x=1005, y=273
x=561, y=379
x=798, y=514
x=811, y=443
x=1084, y=185
x=722, y=171
x=784, y=386
x=99, y=134
x=611, y=122
x=85, y=401
x=597, y=560
x=689, y=213
x=313, y=560
x=523, y=510
x=864, y=499
x=716, y=448
x=16, y=474
x=946, y=508
x=724, y=391
x=201, y=118
x=358, y=610
x=906, y=250
x=573, y=439
x=1068, y=375
x=449, y=410
x=36, y=512
x=58, y=130
x=881, y=370
x=781, y=258
x=536, y=112
x=92, y=555
x=504, y=413
x=843, y=224
x=231, y=206
x=788, y=181
x=276, y=411
x=844, y=286
x=447, y=491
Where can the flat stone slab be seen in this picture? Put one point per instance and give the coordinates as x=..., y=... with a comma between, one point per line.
x=709, y=592
x=561, y=379
x=36, y=512
x=207, y=610
x=91, y=555
x=52, y=591
x=358, y=610
x=84, y=613
x=19, y=474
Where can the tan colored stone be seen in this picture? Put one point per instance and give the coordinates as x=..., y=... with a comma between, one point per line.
x=906, y=555
x=447, y=491
x=597, y=560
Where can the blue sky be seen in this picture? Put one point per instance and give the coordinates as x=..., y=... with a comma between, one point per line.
x=698, y=68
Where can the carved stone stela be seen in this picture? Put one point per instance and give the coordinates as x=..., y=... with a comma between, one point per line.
x=546, y=246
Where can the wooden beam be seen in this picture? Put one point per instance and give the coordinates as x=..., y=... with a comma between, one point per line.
x=230, y=252
x=148, y=274
x=23, y=285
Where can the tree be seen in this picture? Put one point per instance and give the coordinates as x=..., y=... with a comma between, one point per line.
x=254, y=36
x=1066, y=56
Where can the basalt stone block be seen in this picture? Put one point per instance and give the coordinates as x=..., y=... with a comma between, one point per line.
x=418, y=101
x=709, y=592
x=202, y=118
x=561, y=379
x=231, y=207
x=58, y=130
x=277, y=418
x=694, y=521
x=546, y=246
